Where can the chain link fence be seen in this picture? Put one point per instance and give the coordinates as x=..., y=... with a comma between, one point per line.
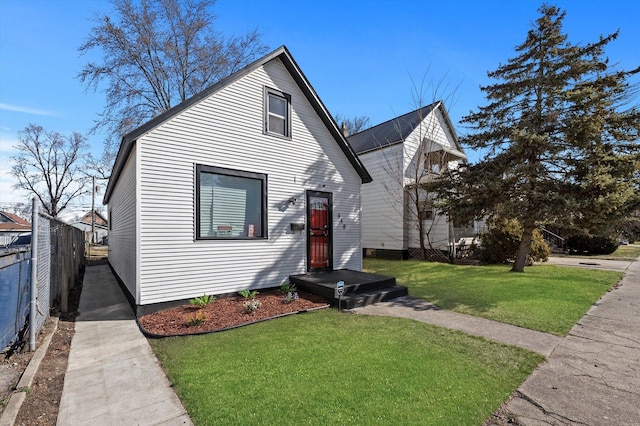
x=58, y=249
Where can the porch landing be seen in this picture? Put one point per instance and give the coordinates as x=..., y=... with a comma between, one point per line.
x=360, y=288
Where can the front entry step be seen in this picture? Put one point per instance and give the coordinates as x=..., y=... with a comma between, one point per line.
x=357, y=300
x=360, y=288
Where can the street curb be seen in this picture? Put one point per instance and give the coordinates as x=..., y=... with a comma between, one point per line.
x=12, y=409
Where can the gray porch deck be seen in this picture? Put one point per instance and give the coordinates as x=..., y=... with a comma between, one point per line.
x=360, y=288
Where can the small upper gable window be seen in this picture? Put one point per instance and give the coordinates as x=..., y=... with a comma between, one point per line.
x=277, y=113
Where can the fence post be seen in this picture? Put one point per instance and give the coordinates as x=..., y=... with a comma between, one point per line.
x=64, y=275
x=34, y=276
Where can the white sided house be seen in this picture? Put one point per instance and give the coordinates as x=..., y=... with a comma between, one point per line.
x=237, y=188
x=409, y=149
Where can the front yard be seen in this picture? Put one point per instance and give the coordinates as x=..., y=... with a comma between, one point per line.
x=327, y=367
x=545, y=298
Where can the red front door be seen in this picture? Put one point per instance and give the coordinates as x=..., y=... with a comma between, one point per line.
x=319, y=237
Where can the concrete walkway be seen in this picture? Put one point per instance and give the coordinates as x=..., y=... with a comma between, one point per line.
x=420, y=310
x=113, y=377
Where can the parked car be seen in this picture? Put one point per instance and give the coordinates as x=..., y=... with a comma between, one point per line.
x=22, y=240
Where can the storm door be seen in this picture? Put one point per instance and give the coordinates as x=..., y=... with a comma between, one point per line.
x=320, y=235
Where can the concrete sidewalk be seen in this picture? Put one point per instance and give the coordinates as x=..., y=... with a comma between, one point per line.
x=593, y=376
x=590, y=263
x=113, y=377
x=590, y=377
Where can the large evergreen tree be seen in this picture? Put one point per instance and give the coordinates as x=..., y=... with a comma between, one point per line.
x=561, y=138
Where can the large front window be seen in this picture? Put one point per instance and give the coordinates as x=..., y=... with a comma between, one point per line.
x=230, y=203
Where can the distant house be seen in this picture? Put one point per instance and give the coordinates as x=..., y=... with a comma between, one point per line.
x=238, y=187
x=409, y=149
x=11, y=225
x=98, y=223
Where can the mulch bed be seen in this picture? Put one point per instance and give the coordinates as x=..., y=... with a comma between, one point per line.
x=225, y=313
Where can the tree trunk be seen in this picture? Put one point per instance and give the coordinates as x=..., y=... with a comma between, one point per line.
x=423, y=249
x=525, y=247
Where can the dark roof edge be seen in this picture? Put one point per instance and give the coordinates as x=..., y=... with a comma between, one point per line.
x=130, y=138
x=432, y=107
x=325, y=116
x=381, y=146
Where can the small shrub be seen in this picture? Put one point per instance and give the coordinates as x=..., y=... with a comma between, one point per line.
x=287, y=287
x=197, y=319
x=202, y=301
x=500, y=244
x=291, y=296
x=248, y=294
x=250, y=306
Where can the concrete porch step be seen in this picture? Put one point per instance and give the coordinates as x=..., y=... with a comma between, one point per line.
x=358, y=300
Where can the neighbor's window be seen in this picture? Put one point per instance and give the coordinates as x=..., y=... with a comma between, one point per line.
x=277, y=113
x=426, y=210
x=230, y=203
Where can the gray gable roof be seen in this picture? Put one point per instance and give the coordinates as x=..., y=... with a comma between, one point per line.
x=397, y=130
x=128, y=141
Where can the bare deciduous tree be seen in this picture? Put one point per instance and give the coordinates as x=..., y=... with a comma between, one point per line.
x=156, y=54
x=353, y=125
x=412, y=166
x=48, y=166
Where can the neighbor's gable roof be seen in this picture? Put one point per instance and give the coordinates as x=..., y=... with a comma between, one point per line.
x=13, y=222
x=282, y=53
x=100, y=220
x=397, y=130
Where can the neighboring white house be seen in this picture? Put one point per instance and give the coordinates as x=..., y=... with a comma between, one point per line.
x=411, y=148
x=238, y=187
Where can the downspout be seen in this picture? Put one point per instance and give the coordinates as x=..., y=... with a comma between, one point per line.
x=34, y=275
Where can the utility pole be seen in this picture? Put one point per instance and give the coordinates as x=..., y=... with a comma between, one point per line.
x=93, y=212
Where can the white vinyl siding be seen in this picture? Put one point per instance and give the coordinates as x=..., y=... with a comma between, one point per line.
x=123, y=226
x=432, y=135
x=383, y=200
x=226, y=130
x=386, y=223
x=436, y=230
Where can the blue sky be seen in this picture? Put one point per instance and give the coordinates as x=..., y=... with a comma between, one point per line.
x=362, y=57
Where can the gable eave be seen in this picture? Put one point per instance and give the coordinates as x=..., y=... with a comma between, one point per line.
x=451, y=129
x=129, y=140
x=325, y=116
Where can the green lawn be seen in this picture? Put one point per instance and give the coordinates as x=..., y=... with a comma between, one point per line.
x=545, y=298
x=327, y=367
